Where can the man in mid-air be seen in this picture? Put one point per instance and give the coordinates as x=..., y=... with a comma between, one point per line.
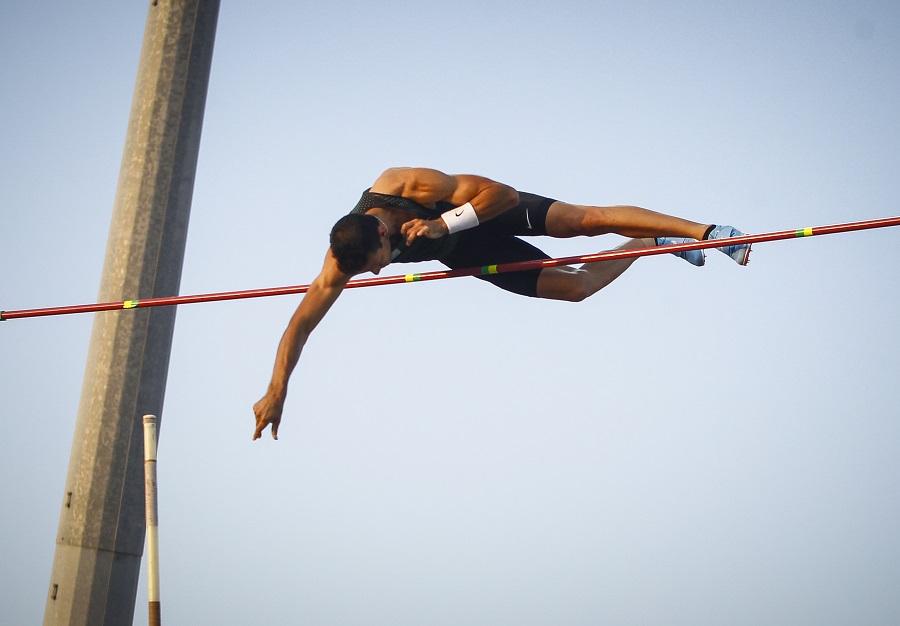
x=419, y=214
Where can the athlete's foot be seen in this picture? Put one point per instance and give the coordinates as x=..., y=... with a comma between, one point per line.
x=740, y=252
x=694, y=257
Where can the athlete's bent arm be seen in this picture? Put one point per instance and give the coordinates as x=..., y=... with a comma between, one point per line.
x=426, y=186
x=323, y=292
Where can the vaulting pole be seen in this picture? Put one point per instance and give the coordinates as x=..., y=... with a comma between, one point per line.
x=101, y=529
x=152, y=516
x=608, y=255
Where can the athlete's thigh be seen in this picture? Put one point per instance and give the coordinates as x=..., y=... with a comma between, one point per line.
x=526, y=219
x=481, y=248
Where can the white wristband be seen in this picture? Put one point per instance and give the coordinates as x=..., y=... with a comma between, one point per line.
x=460, y=218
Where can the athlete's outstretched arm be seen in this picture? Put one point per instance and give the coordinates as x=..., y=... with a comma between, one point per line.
x=323, y=292
x=426, y=186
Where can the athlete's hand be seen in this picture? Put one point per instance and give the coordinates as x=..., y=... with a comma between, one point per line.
x=432, y=229
x=268, y=411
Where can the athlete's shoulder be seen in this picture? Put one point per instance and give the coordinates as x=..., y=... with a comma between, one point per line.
x=394, y=180
x=420, y=184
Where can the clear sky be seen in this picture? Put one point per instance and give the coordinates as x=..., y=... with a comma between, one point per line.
x=690, y=446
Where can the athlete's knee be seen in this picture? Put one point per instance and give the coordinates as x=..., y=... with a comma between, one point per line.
x=599, y=220
x=579, y=293
x=570, y=220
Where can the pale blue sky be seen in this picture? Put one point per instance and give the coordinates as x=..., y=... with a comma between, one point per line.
x=691, y=446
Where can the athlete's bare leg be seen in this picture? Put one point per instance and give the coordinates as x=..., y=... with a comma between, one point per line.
x=574, y=285
x=573, y=220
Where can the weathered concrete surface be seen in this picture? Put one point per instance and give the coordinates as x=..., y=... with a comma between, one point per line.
x=101, y=529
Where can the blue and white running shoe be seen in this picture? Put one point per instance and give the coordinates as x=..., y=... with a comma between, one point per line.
x=694, y=257
x=741, y=252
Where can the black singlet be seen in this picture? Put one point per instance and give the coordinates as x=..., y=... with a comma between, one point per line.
x=422, y=248
x=492, y=243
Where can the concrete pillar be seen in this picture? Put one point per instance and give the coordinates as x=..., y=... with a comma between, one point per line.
x=101, y=528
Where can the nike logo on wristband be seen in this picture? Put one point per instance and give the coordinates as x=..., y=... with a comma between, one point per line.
x=458, y=213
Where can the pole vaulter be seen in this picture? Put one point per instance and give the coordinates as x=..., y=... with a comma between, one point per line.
x=473, y=271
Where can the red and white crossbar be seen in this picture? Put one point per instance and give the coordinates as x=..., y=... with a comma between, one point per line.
x=608, y=255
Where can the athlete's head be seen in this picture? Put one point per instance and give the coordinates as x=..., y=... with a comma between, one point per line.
x=358, y=244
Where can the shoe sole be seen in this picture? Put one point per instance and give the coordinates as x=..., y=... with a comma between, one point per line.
x=745, y=258
x=740, y=261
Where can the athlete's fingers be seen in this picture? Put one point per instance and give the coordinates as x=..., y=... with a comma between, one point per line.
x=418, y=231
x=421, y=228
x=261, y=423
x=410, y=230
x=258, y=413
x=407, y=226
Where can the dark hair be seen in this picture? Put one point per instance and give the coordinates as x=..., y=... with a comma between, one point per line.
x=353, y=239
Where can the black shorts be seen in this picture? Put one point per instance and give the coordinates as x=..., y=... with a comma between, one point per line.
x=497, y=241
